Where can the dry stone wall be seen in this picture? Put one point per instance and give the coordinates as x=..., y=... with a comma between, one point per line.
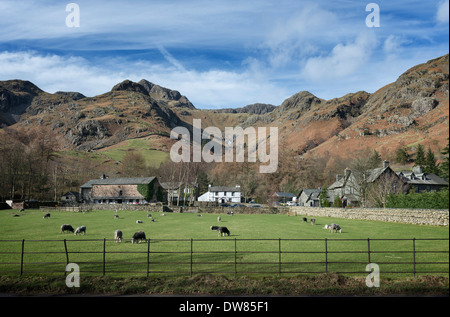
x=411, y=216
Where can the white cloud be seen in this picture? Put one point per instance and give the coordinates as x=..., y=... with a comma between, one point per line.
x=343, y=60
x=210, y=88
x=442, y=15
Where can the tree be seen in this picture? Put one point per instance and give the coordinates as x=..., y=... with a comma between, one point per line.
x=402, y=156
x=444, y=165
x=323, y=198
x=133, y=165
x=375, y=159
x=430, y=165
x=420, y=156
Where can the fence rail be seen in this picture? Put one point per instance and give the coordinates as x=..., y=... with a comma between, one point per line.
x=226, y=256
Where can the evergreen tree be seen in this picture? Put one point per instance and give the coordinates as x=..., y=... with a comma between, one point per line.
x=444, y=165
x=375, y=160
x=430, y=165
x=402, y=156
x=323, y=198
x=420, y=156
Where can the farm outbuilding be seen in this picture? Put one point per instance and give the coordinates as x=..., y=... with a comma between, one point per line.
x=136, y=190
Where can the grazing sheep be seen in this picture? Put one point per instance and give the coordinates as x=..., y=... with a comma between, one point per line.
x=138, y=221
x=313, y=221
x=67, y=228
x=230, y=213
x=304, y=219
x=163, y=214
x=199, y=215
x=219, y=219
x=221, y=230
x=116, y=216
x=80, y=230
x=334, y=228
x=22, y=210
x=149, y=216
x=138, y=237
x=46, y=216
x=118, y=236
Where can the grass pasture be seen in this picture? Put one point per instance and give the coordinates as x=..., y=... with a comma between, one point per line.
x=172, y=252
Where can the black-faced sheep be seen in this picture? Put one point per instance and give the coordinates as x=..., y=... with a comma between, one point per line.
x=138, y=237
x=46, y=216
x=118, y=236
x=221, y=230
x=65, y=228
x=304, y=219
x=313, y=221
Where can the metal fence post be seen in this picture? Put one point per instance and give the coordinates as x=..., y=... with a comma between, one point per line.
x=191, y=257
x=368, y=249
x=104, y=255
x=67, y=255
x=235, y=258
x=326, y=255
x=148, y=258
x=21, y=257
x=414, y=257
x=279, y=257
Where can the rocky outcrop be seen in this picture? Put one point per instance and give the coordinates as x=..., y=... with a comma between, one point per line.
x=170, y=97
x=302, y=101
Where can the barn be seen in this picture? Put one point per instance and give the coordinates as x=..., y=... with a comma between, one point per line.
x=135, y=190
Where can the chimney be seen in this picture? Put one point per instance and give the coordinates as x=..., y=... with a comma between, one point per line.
x=417, y=169
x=385, y=164
x=347, y=172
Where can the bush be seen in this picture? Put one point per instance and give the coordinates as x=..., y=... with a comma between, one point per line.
x=427, y=200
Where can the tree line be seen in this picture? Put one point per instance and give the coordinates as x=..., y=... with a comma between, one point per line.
x=33, y=168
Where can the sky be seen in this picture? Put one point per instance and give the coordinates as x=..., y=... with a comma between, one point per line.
x=220, y=54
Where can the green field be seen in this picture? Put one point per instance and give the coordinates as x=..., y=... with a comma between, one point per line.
x=173, y=252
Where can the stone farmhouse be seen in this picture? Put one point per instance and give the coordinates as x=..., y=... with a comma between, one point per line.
x=118, y=190
x=422, y=182
x=309, y=197
x=353, y=186
x=222, y=194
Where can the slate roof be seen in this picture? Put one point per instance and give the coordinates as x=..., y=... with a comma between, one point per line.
x=224, y=189
x=118, y=181
x=284, y=195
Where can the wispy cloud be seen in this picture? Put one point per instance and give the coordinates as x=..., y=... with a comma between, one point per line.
x=219, y=53
x=442, y=13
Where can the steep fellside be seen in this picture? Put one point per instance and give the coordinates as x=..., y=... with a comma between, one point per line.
x=412, y=110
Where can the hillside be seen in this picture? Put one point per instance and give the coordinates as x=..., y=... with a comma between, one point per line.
x=412, y=110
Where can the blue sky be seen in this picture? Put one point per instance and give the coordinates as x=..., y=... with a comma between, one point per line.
x=219, y=54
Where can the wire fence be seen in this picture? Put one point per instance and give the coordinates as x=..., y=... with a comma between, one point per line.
x=225, y=256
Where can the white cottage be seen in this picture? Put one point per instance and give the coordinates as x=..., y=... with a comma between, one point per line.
x=222, y=194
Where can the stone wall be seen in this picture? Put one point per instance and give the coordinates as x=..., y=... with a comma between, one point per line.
x=411, y=216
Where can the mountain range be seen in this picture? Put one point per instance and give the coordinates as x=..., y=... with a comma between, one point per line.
x=410, y=111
